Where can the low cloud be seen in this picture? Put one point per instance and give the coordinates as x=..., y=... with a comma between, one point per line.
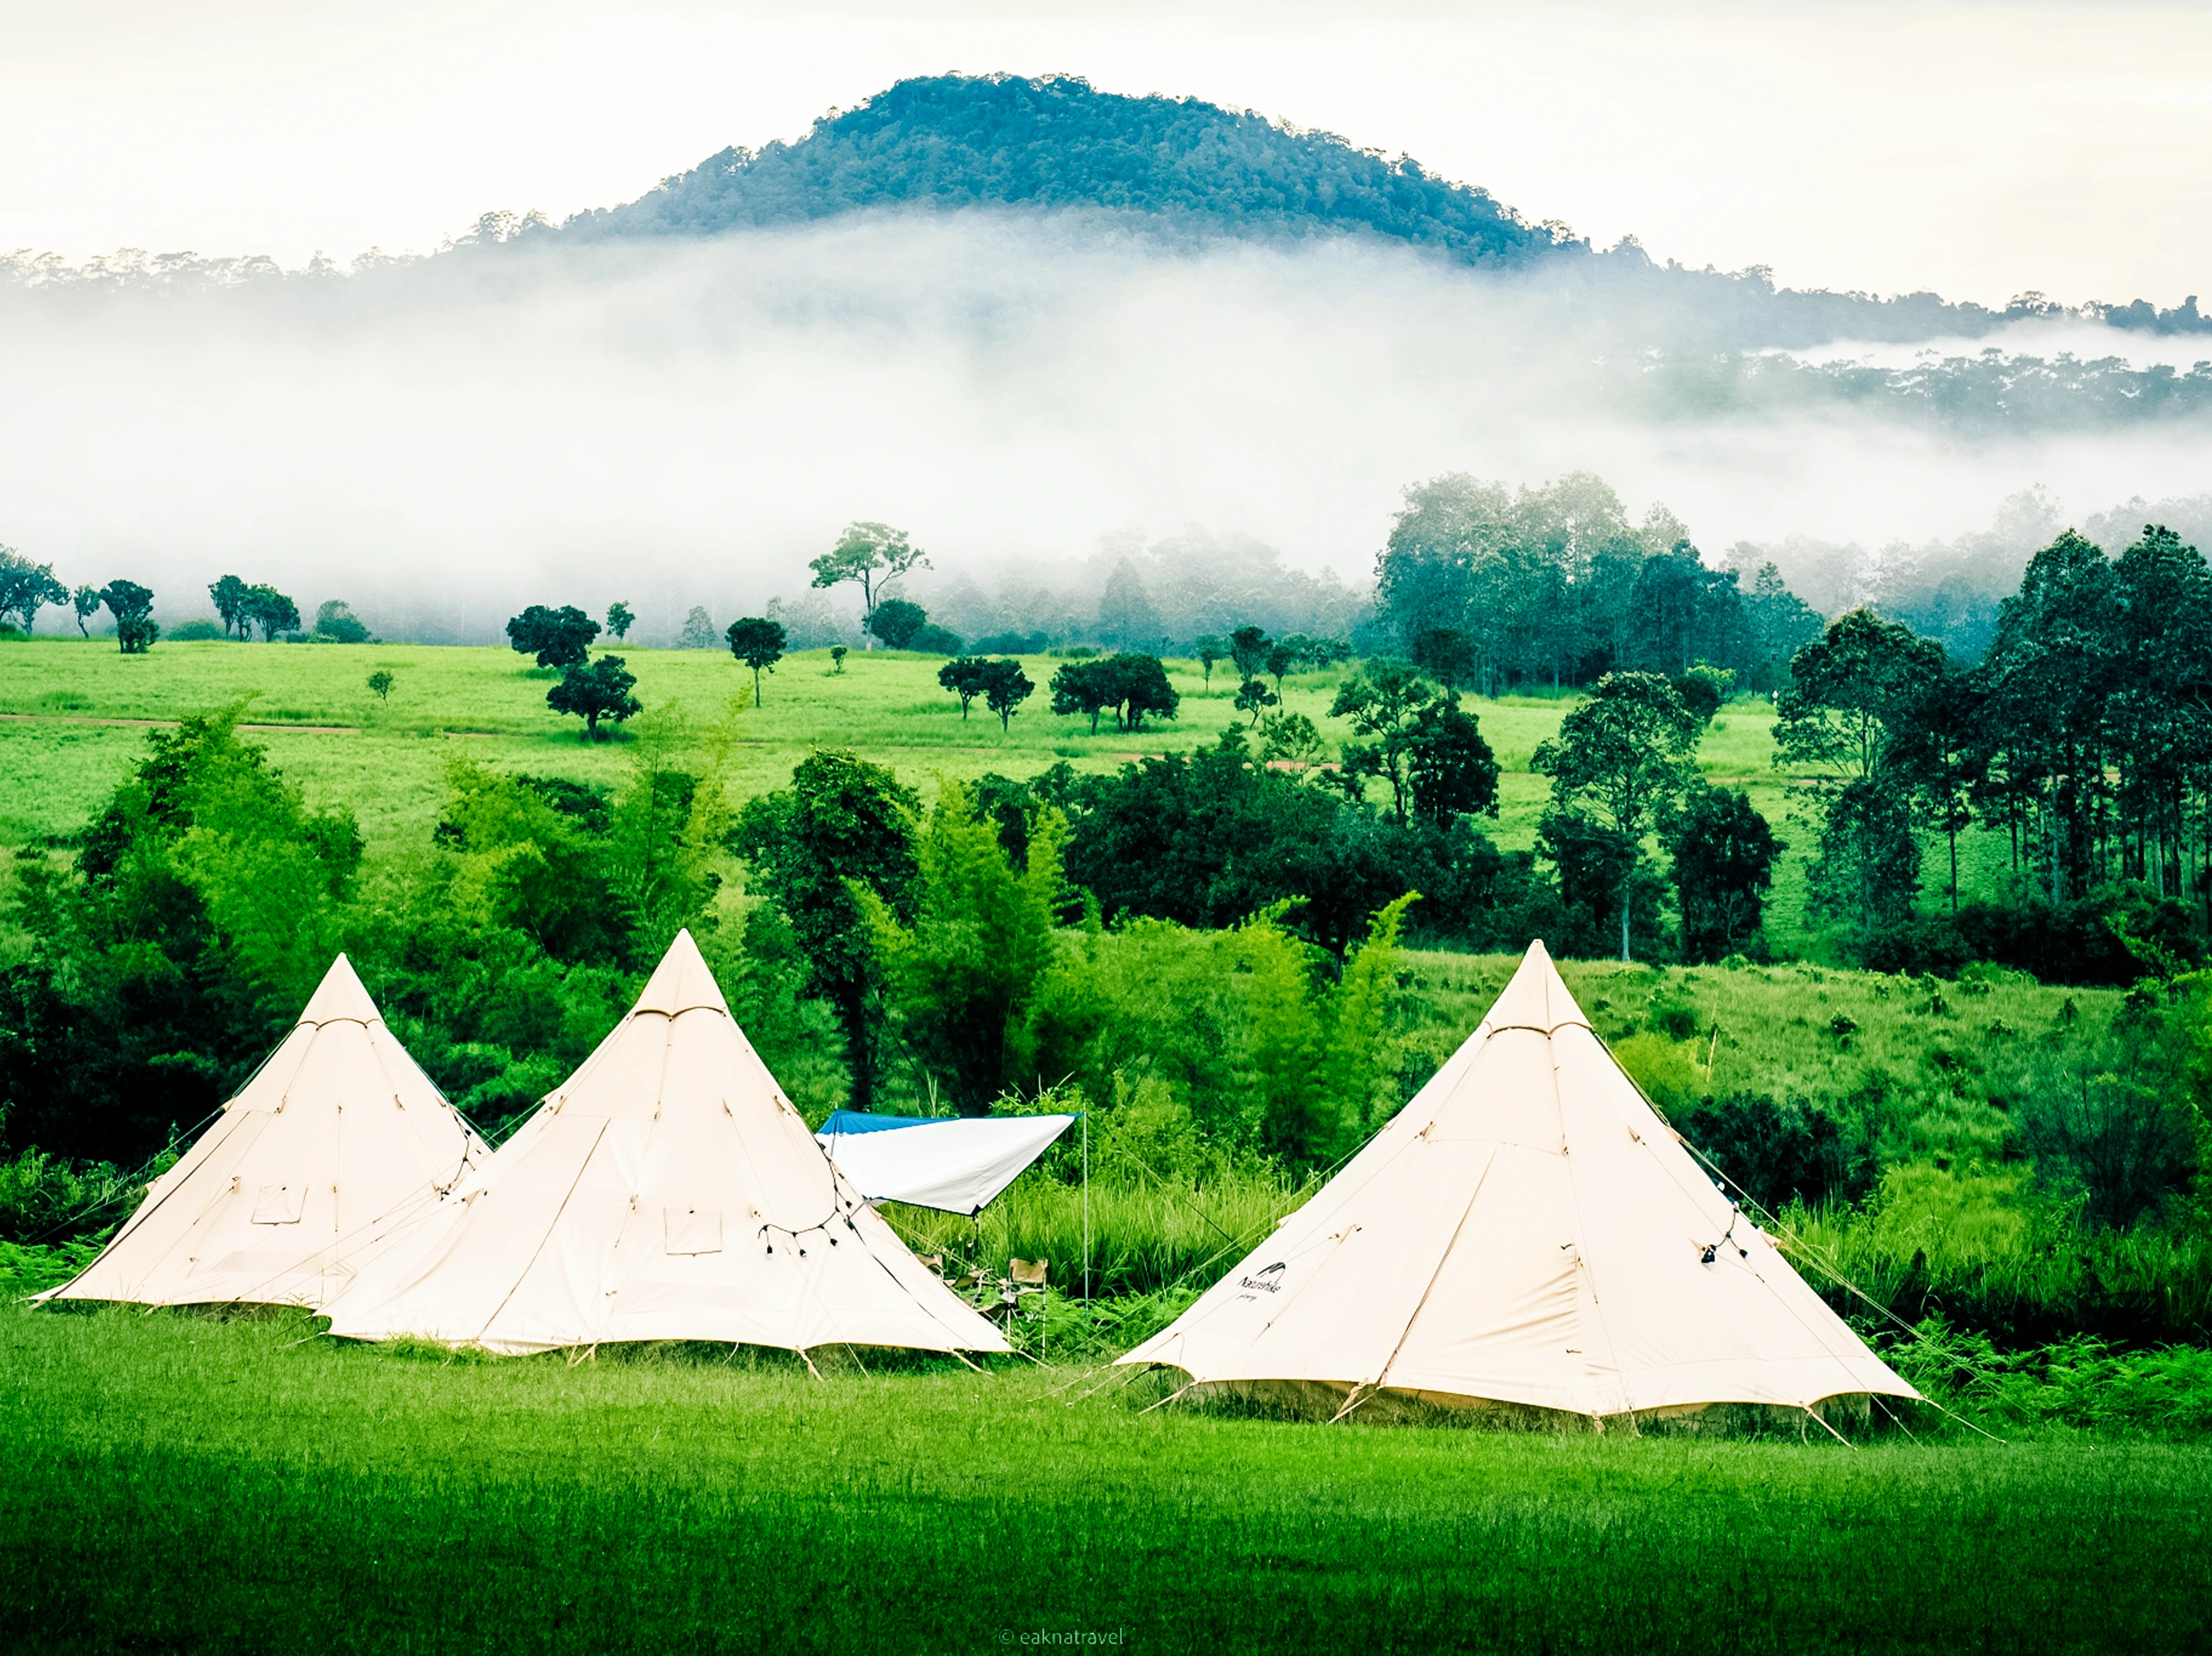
x=681, y=421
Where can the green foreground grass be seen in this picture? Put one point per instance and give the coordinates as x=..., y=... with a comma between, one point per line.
x=385, y=760
x=179, y=1484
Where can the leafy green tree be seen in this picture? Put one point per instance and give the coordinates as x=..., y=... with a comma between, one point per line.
x=962, y=974
x=204, y=902
x=1724, y=855
x=1248, y=648
x=964, y=677
x=557, y=638
x=1290, y=738
x=85, y=600
x=25, y=587
x=1081, y=688
x=1849, y=712
x=843, y=826
x=132, y=606
x=896, y=621
x=759, y=643
x=1006, y=687
x=698, y=632
x=1852, y=692
x=620, y=619
x=837, y=654
x=336, y=619
x=380, y=684
x=1605, y=884
x=1281, y=659
x=231, y=604
x=1209, y=650
x=1384, y=703
x=1450, y=771
x=1139, y=685
x=1252, y=697
x=873, y=555
x=272, y=610
x=1867, y=868
x=599, y=691
x=1623, y=757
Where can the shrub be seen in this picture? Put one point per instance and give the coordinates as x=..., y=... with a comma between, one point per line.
x=195, y=632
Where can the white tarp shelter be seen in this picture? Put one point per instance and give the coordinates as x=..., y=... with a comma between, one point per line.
x=958, y=1164
x=1526, y=1232
x=337, y=1138
x=667, y=1191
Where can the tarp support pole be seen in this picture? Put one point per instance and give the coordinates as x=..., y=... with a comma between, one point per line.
x=1087, y=1211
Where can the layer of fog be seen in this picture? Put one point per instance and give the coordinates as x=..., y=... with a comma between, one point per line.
x=682, y=423
x=2078, y=336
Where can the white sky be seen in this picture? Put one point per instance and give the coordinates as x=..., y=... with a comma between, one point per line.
x=1976, y=149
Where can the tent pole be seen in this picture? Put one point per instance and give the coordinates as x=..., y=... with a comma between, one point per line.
x=1086, y=1212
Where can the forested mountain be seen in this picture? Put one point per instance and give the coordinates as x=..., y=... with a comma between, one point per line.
x=962, y=140
x=951, y=142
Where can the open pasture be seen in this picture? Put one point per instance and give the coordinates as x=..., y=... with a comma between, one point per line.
x=73, y=713
x=180, y=1484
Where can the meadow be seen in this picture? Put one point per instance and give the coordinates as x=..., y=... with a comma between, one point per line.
x=73, y=713
x=182, y=1483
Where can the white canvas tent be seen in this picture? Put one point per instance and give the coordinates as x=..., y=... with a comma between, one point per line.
x=667, y=1191
x=337, y=1138
x=1525, y=1232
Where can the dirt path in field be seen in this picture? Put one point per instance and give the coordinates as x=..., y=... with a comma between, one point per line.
x=171, y=724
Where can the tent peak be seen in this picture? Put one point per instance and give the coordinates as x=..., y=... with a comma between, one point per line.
x=340, y=998
x=1537, y=997
x=681, y=983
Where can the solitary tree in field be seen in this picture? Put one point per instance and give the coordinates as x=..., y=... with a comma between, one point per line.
x=381, y=682
x=86, y=602
x=25, y=586
x=837, y=654
x=964, y=677
x=558, y=638
x=229, y=595
x=272, y=612
x=132, y=606
x=620, y=619
x=599, y=692
x=1006, y=687
x=757, y=642
x=873, y=554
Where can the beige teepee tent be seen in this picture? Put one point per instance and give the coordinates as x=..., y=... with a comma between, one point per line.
x=667, y=1191
x=1526, y=1232
x=338, y=1138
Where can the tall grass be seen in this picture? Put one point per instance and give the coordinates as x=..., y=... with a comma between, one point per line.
x=1148, y=1234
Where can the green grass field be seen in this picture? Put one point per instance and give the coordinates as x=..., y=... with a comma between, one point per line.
x=73, y=713
x=181, y=1485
